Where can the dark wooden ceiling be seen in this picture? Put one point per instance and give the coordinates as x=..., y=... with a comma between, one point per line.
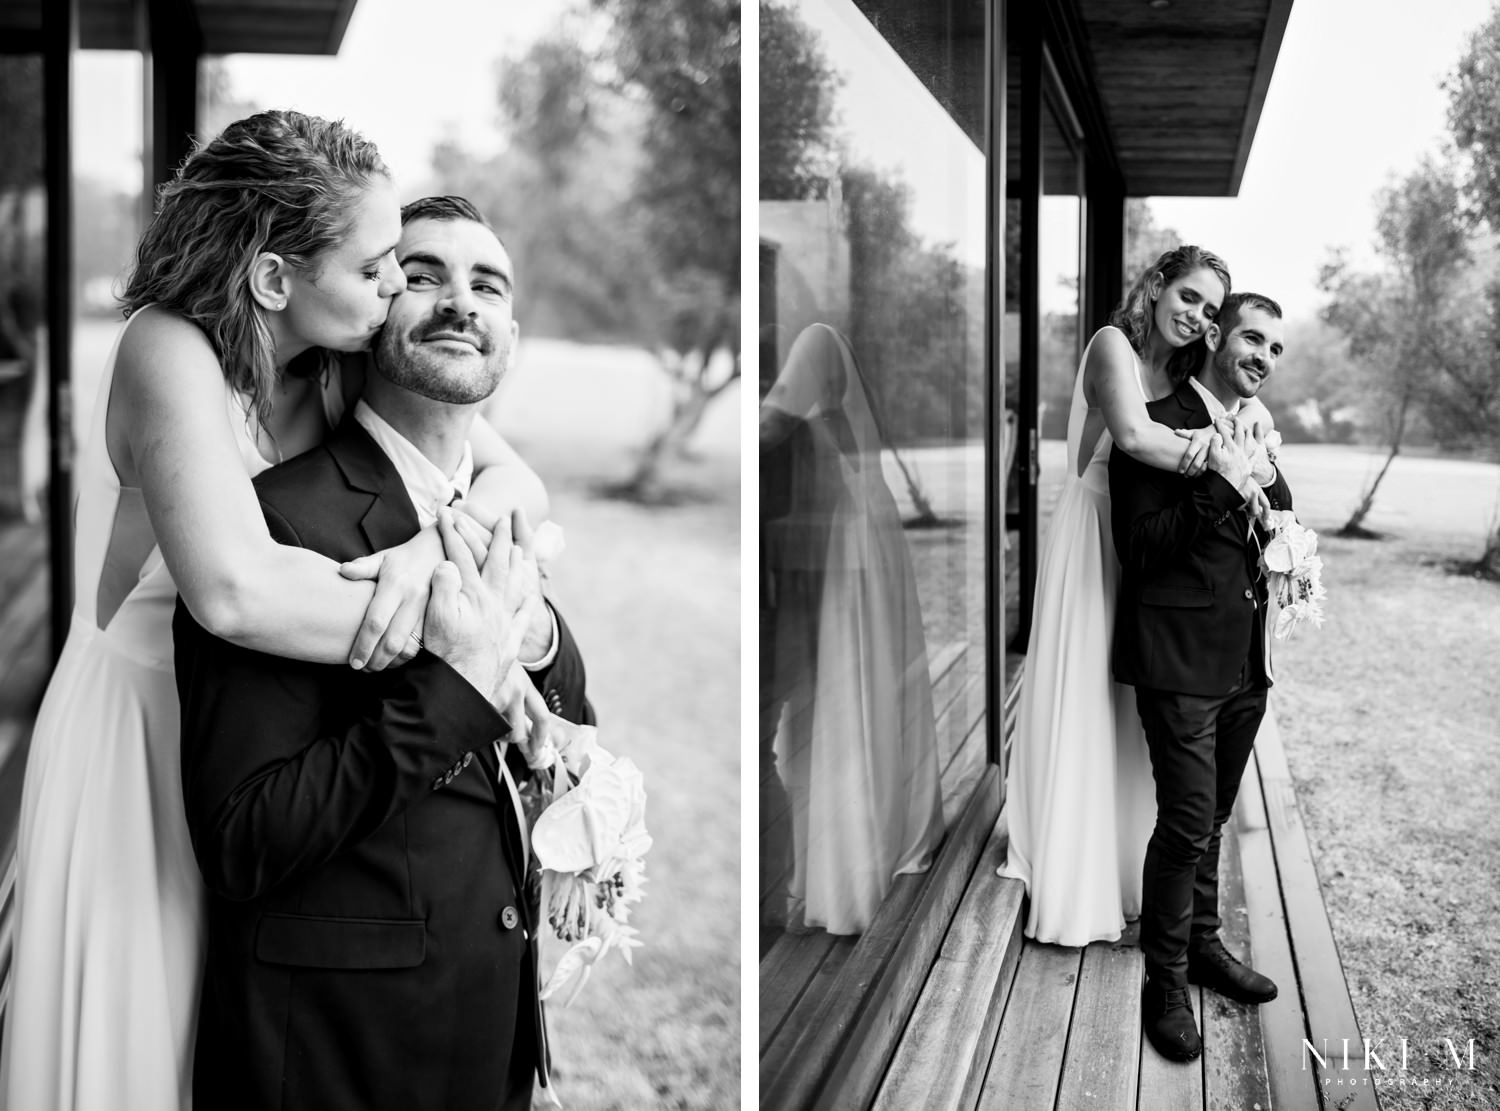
x=227, y=26
x=1183, y=86
x=1179, y=89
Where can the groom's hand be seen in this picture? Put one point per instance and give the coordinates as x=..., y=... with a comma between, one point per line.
x=475, y=620
x=1228, y=453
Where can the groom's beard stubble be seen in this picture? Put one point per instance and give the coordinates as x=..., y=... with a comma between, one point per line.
x=404, y=360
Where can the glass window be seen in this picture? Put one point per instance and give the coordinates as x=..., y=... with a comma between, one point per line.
x=23, y=347
x=872, y=432
x=108, y=218
x=1060, y=341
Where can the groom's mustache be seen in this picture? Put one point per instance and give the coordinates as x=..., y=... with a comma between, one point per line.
x=465, y=329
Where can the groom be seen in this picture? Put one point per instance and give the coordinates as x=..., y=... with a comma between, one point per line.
x=372, y=942
x=1190, y=637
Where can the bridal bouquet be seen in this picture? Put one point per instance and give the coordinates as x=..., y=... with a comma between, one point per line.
x=1294, y=572
x=590, y=839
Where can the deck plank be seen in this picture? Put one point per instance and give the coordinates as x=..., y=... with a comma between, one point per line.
x=943, y=1053
x=1101, y=1066
x=849, y=1042
x=1234, y=1057
x=793, y=1068
x=1328, y=1008
x=1281, y=1020
x=1026, y=1065
x=784, y=975
x=815, y=992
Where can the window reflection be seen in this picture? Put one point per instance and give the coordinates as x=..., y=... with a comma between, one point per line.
x=23, y=349
x=108, y=218
x=1060, y=347
x=872, y=225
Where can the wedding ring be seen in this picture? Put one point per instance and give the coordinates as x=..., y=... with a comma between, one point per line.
x=416, y=638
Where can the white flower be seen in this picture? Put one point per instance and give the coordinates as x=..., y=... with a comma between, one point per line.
x=547, y=543
x=600, y=819
x=590, y=842
x=1291, y=546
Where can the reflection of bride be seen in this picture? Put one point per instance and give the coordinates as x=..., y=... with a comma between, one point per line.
x=856, y=740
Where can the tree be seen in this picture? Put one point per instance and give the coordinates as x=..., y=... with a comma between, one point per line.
x=1311, y=403
x=798, y=141
x=1405, y=322
x=1145, y=240
x=559, y=193
x=1474, y=117
x=1474, y=120
x=682, y=58
x=22, y=268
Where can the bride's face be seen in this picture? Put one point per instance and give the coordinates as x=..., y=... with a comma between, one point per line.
x=1188, y=306
x=342, y=306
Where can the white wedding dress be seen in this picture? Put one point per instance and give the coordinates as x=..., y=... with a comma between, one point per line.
x=1079, y=796
x=109, y=903
x=856, y=741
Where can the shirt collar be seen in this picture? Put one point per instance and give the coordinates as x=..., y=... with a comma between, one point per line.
x=425, y=483
x=1216, y=408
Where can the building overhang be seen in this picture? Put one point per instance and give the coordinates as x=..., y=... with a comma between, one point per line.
x=222, y=26
x=1179, y=88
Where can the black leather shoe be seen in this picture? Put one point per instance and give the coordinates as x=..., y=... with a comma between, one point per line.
x=1167, y=1015
x=1217, y=969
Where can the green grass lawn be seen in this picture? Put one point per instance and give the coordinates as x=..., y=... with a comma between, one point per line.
x=1389, y=715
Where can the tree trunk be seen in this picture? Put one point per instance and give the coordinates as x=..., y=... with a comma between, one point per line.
x=1354, y=526
x=926, y=515
x=687, y=414
x=1489, y=563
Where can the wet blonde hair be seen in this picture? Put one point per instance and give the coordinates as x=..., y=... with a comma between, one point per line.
x=277, y=181
x=1137, y=312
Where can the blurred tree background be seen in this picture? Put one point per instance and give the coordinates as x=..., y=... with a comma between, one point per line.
x=618, y=193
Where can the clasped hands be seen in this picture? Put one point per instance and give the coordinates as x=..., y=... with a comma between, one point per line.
x=1236, y=450
x=480, y=609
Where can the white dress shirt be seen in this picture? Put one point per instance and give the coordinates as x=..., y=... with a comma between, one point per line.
x=430, y=489
x=1260, y=462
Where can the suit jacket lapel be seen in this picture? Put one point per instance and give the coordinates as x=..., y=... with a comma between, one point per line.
x=390, y=518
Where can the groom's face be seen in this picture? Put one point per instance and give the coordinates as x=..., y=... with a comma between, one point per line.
x=450, y=335
x=1245, y=355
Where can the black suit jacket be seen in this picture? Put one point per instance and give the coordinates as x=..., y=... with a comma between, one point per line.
x=371, y=940
x=1191, y=607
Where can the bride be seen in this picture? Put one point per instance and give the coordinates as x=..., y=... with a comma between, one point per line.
x=276, y=239
x=1080, y=798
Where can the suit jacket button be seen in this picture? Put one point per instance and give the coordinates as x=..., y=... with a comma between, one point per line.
x=509, y=918
x=437, y=783
x=1249, y=593
x=468, y=759
x=554, y=702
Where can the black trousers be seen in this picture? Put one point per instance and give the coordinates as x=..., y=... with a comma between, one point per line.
x=1199, y=748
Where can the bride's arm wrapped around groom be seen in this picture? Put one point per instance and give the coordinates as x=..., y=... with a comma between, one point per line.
x=1191, y=592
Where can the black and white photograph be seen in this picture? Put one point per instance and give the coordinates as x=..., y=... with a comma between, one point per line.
x=370, y=554
x=1129, y=554
x=431, y=678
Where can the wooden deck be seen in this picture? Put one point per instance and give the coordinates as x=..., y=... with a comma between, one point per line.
x=989, y=1020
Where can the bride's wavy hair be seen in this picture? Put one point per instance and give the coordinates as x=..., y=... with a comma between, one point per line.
x=1137, y=312
x=277, y=181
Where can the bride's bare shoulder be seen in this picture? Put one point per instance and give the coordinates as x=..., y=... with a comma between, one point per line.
x=155, y=334
x=1109, y=357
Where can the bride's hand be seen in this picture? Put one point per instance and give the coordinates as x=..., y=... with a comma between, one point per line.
x=402, y=575
x=1195, y=455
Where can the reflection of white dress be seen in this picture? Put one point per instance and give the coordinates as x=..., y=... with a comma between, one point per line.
x=1080, y=799
x=109, y=915
x=857, y=744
